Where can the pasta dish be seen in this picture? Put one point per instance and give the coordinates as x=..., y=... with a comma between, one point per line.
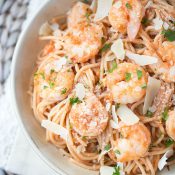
x=104, y=85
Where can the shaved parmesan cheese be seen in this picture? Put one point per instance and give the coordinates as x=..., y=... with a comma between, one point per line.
x=172, y=71
x=114, y=124
x=141, y=60
x=106, y=170
x=103, y=8
x=108, y=106
x=80, y=149
x=118, y=4
x=148, y=4
x=60, y=63
x=114, y=115
x=93, y=5
x=158, y=23
x=127, y=116
x=80, y=91
x=55, y=128
x=165, y=26
x=163, y=161
x=54, y=26
x=118, y=49
x=151, y=91
x=45, y=29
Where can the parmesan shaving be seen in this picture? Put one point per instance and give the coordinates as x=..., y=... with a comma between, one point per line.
x=80, y=91
x=127, y=116
x=118, y=49
x=151, y=91
x=163, y=161
x=55, y=128
x=114, y=115
x=158, y=23
x=114, y=124
x=45, y=29
x=103, y=8
x=141, y=60
x=93, y=5
x=60, y=63
x=108, y=106
x=106, y=170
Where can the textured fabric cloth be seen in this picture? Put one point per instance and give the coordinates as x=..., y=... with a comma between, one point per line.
x=16, y=154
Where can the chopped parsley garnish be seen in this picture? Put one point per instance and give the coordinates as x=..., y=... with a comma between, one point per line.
x=169, y=34
x=116, y=170
x=169, y=142
x=45, y=87
x=86, y=1
x=66, y=57
x=74, y=100
x=128, y=6
x=127, y=76
x=117, y=151
x=139, y=74
x=107, y=147
x=41, y=74
x=114, y=66
x=165, y=114
x=102, y=40
x=87, y=16
x=64, y=90
x=144, y=86
x=105, y=47
x=145, y=21
x=51, y=84
x=52, y=71
x=149, y=113
x=84, y=138
x=117, y=106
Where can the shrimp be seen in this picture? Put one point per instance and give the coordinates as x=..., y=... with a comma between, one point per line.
x=126, y=83
x=51, y=82
x=133, y=144
x=83, y=42
x=125, y=16
x=89, y=118
x=166, y=66
x=170, y=124
x=77, y=14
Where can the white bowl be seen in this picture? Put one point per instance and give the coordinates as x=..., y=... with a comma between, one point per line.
x=24, y=60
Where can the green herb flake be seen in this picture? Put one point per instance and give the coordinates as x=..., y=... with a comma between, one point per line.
x=169, y=34
x=116, y=170
x=35, y=74
x=117, y=151
x=42, y=75
x=128, y=6
x=127, y=76
x=149, y=114
x=107, y=147
x=114, y=66
x=117, y=106
x=165, y=114
x=45, y=87
x=64, y=90
x=139, y=74
x=105, y=47
x=86, y=1
x=51, y=84
x=84, y=138
x=169, y=142
x=52, y=71
x=144, y=86
x=74, y=100
x=102, y=40
x=145, y=21
x=87, y=16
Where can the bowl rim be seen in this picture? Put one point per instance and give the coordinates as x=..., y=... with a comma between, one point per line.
x=13, y=92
